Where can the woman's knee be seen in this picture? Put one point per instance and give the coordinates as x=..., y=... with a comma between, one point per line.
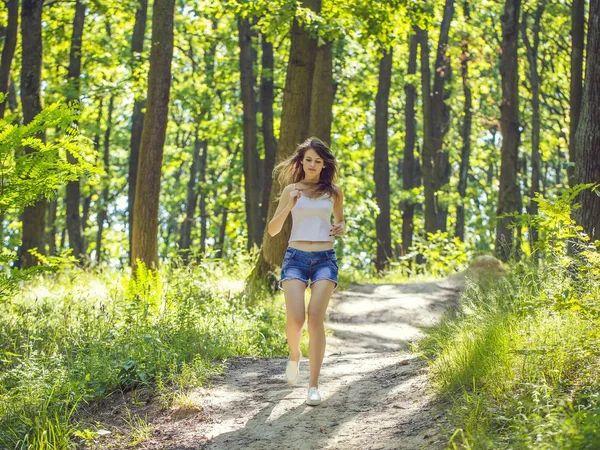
x=315, y=321
x=296, y=320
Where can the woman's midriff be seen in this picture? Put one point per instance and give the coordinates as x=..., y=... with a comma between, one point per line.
x=311, y=246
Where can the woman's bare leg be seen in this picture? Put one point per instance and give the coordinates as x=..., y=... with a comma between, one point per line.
x=319, y=299
x=293, y=291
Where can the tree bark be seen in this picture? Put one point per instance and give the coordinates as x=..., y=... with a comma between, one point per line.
x=270, y=143
x=509, y=195
x=34, y=219
x=467, y=125
x=102, y=214
x=251, y=159
x=73, y=87
x=295, y=116
x=321, y=115
x=145, y=219
x=436, y=117
x=535, y=80
x=587, y=138
x=8, y=51
x=577, y=47
x=137, y=119
x=382, y=164
x=408, y=166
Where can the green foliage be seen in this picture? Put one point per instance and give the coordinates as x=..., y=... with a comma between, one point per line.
x=77, y=336
x=24, y=178
x=520, y=358
x=443, y=255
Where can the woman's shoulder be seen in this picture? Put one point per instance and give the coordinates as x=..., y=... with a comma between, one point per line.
x=289, y=187
x=337, y=189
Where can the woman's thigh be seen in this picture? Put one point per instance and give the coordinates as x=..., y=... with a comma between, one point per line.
x=293, y=291
x=320, y=295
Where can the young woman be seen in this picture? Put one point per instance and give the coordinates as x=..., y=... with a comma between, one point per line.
x=310, y=260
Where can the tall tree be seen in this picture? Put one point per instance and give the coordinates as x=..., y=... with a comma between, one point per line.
x=102, y=213
x=145, y=219
x=266, y=108
x=535, y=80
x=467, y=125
x=251, y=159
x=8, y=51
x=577, y=47
x=73, y=187
x=436, y=117
x=381, y=170
x=295, y=116
x=322, y=96
x=137, y=119
x=587, y=138
x=509, y=194
x=408, y=167
x=33, y=217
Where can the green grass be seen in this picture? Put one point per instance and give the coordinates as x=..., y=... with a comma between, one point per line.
x=79, y=336
x=520, y=359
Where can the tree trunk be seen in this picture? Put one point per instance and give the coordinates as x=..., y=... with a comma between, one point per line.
x=321, y=115
x=8, y=52
x=137, y=119
x=509, y=195
x=382, y=164
x=103, y=200
x=408, y=166
x=73, y=187
x=465, y=131
x=270, y=143
x=185, y=238
x=577, y=45
x=34, y=219
x=295, y=116
x=535, y=80
x=436, y=117
x=251, y=160
x=202, y=196
x=587, y=138
x=51, y=235
x=145, y=219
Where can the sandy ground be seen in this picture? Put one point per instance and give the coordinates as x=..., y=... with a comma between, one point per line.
x=375, y=392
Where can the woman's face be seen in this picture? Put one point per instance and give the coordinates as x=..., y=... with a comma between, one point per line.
x=312, y=164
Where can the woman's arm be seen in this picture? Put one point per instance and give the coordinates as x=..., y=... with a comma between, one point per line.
x=288, y=199
x=339, y=227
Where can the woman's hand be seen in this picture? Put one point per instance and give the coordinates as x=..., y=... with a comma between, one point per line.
x=338, y=229
x=294, y=196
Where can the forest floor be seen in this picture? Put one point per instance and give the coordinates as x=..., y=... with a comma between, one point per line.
x=375, y=391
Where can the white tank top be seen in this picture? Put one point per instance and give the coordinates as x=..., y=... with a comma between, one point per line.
x=311, y=219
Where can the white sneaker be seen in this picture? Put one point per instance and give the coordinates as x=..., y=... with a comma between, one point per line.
x=313, y=398
x=293, y=369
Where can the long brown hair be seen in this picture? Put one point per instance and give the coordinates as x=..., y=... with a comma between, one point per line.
x=291, y=171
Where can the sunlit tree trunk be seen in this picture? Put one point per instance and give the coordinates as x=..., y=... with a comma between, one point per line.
x=408, y=163
x=587, y=138
x=73, y=87
x=577, y=47
x=145, y=219
x=33, y=217
x=295, y=116
x=102, y=214
x=137, y=119
x=251, y=159
x=8, y=51
x=381, y=171
x=270, y=143
x=534, y=79
x=436, y=116
x=321, y=114
x=465, y=153
x=509, y=195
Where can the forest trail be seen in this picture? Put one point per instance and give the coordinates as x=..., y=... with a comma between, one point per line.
x=375, y=393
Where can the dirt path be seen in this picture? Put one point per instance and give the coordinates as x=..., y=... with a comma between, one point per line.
x=375, y=394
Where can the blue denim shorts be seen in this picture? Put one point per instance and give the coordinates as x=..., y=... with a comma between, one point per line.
x=305, y=266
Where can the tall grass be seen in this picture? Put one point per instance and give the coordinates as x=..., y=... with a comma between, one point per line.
x=520, y=360
x=79, y=336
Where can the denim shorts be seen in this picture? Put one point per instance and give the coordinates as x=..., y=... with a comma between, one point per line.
x=305, y=266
